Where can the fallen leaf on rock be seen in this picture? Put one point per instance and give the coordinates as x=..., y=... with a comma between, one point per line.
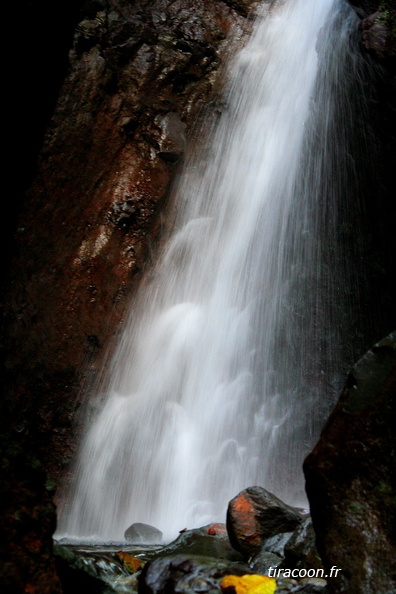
x=132, y=564
x=248, y=584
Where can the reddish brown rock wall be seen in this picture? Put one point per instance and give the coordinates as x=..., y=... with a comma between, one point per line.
x=141, y=74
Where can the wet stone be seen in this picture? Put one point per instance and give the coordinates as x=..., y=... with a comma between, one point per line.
x=256, y=515
x=300, y=550
x=140, y=533
x=264, y=560
x=171, y=139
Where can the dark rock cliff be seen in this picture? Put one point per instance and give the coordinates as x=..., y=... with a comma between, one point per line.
x=350, y=474
x=351, y=478
x=140, y=75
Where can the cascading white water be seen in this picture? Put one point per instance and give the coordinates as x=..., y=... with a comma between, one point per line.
x=218, y=382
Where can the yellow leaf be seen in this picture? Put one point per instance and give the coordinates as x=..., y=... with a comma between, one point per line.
x=249, y=584
x=131, y=563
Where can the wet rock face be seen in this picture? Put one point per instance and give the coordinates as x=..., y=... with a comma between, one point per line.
x=140, y=75
x=300, y=550
x=27, y=521
x=378, y=29
x=378, y=34
x=351, y=478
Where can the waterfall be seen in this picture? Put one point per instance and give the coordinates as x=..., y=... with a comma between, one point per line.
x=231, y=357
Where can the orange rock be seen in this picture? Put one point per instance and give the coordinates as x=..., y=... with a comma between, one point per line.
x=217, y=529
x=255, y=515
x=244, y=509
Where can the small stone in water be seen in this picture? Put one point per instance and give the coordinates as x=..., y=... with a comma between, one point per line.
x=139, y=533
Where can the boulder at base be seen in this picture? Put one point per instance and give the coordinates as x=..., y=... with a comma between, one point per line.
x=351, y=478
x=254, y=516
x=139, y=533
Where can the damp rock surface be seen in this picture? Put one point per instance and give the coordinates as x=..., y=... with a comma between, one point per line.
x=138, y=77
x=185, y=573
x=209, y=541
x=141, y=77
x=378, y=34
x=377, y=29
x=351, y=478
x=300, y=550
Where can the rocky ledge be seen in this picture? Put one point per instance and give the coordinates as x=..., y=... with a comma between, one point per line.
x=265, y=546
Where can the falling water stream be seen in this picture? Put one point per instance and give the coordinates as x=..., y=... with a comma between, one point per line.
x=230, y=360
